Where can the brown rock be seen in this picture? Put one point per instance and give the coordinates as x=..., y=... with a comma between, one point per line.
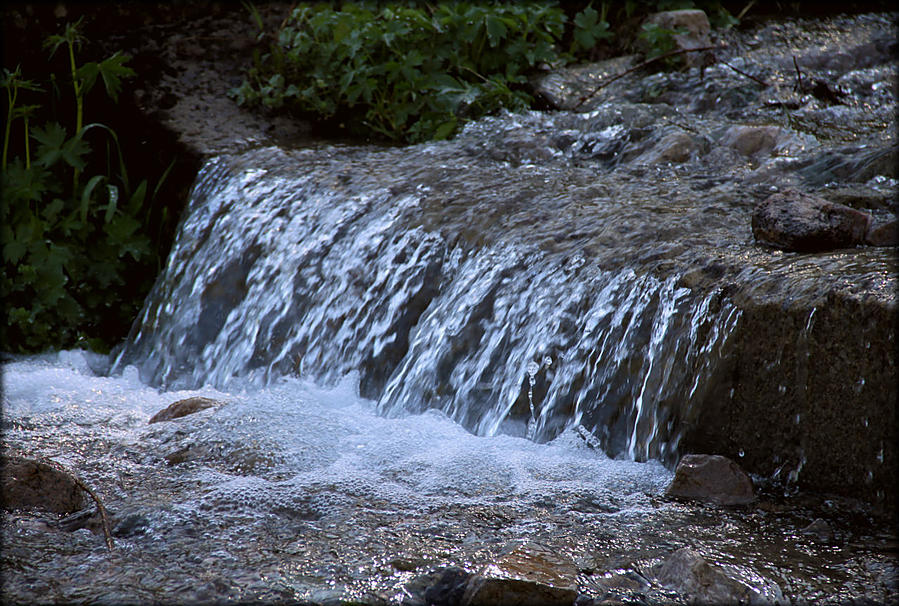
x=30, y=484
x=883, y=233
x=696, y=24
x=528, y=574
x=673, y=148
x=751, y=140
x=711, y=478
x=182, y=408
x=796, y=221
x=482, y=591
x=688, y=573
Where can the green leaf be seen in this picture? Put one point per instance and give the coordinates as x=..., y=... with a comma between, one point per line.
x=51, y=139
x=55, y=147
x=86, y=195
x=113, y=70
x=26, y=184
x=87, y=74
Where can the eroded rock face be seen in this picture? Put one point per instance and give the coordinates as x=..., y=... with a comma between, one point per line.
x=31, y=484
x=711, y=478
x=182, y=408
x=796, y=221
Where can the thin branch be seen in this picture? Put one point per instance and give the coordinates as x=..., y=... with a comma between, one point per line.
x=742, y=73
x=107, y=527
x=798, y=75
x=673, y=53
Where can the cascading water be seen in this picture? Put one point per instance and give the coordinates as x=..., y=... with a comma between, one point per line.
x=284, y=267
x=569, y=284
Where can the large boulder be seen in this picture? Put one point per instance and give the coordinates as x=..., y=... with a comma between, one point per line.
x=795, y=221
x=31, y=484
x=711, y=478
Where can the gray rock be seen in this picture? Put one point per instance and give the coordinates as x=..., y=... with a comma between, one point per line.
x=696, y=24
x=796, y=221
x=182, y=408
x=751, y=141
x=820, y=530
x=30, y=484
x=883, y=233
x=711, y=478
x=564, y=88
x=673, y=148
x=688, y=573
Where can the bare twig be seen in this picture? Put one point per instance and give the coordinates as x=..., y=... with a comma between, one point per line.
x=107, y=527
x=798, y=75
x=679, y=51
x=742, y=73
x=745, y=10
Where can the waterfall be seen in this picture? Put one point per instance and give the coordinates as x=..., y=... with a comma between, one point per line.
x=322, y=263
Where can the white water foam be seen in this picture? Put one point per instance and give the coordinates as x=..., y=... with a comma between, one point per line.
x=307, y=450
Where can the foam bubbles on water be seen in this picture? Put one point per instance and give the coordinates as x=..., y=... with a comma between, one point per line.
x=305, y=452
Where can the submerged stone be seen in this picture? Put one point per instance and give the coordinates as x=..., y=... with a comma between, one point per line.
x=711, y=478
x=182, y=408
x=31, y=484
x=800, y=222
x=688, y=573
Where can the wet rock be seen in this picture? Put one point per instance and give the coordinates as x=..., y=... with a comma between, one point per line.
x=616, y=587
x=483, y=591
x=688, y=573
x=711, y=478
x=571, y=87
x=528, y=574
x=182, y=408
x=131, y=524
x=796, y=221
x=696, y=34
x=820, y=530
x=30, y=484
x=751, y=140
x=447, y=587
x=89, y=518
x=883, y=232
x=674, y=148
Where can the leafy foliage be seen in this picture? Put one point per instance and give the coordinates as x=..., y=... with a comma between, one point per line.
x=75, y=251
x=410, y=72
x=405, y=73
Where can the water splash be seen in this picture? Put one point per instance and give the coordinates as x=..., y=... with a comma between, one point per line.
x=326, y=271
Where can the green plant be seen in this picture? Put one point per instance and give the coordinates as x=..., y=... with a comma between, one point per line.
x=401, y=72
x=74, y=250
x=590, y=27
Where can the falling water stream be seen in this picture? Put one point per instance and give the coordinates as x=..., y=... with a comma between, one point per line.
x=431, y=356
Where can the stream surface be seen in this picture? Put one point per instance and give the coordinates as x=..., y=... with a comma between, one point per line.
x=295, y=492
x=442, y=354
